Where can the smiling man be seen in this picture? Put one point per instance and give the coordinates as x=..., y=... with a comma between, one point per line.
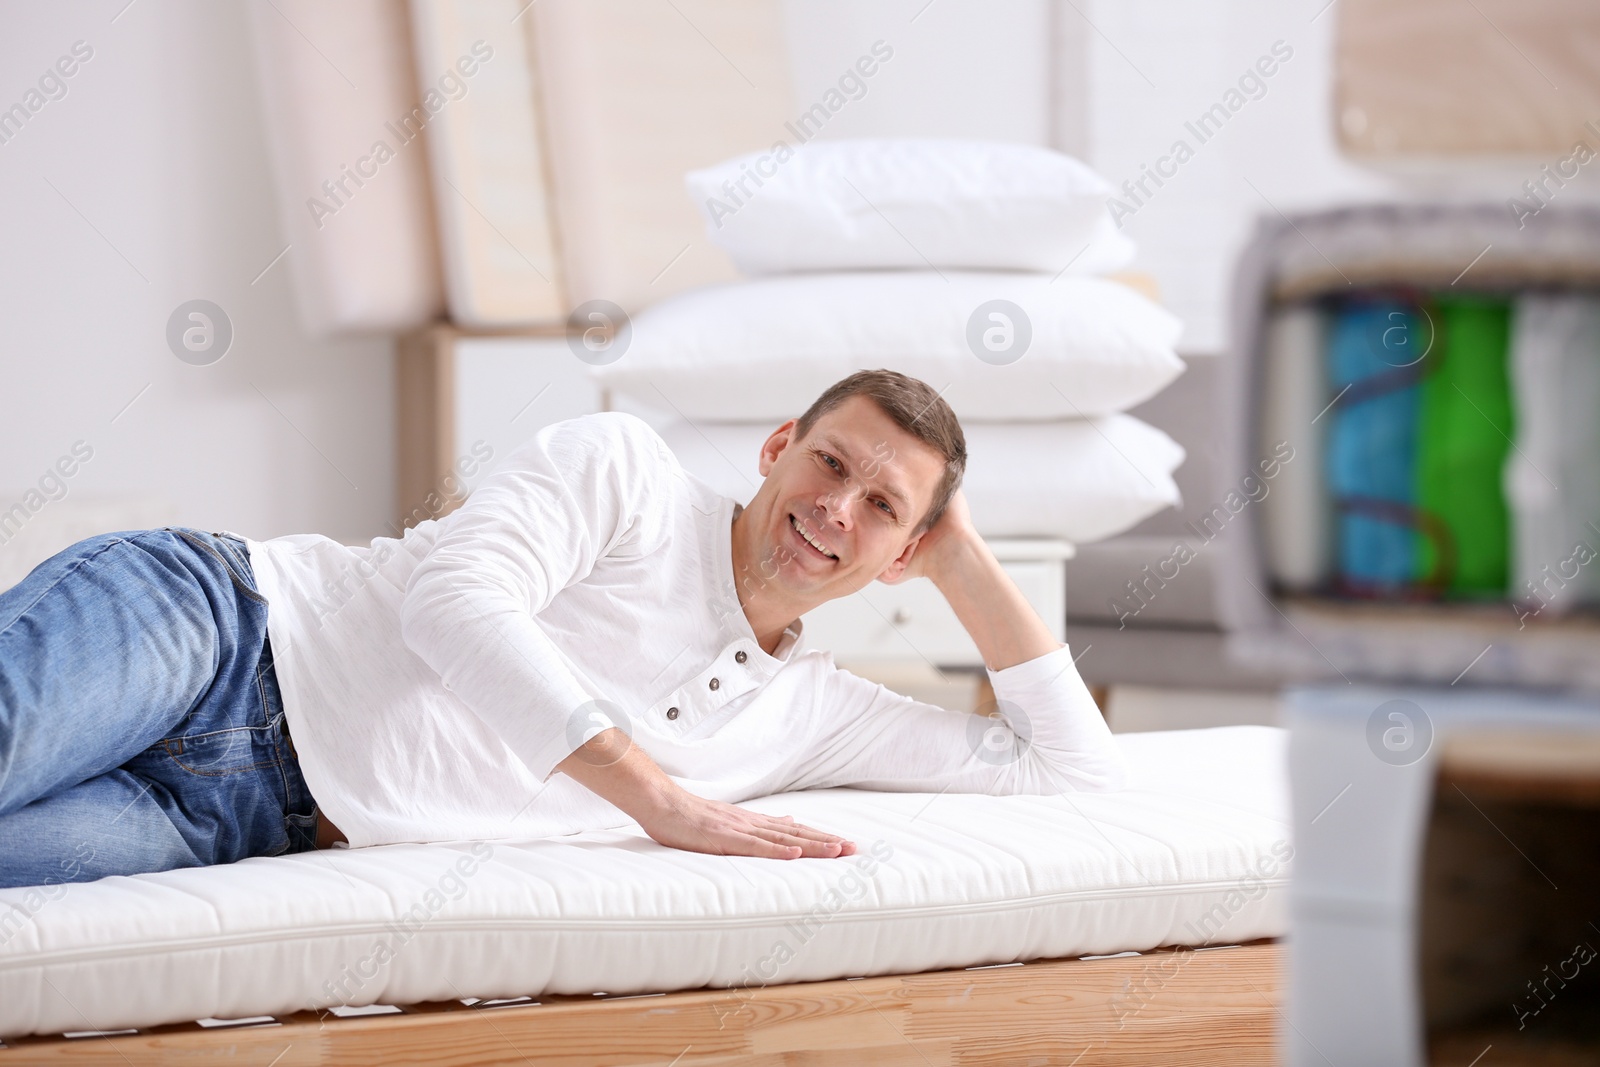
x=594, y=637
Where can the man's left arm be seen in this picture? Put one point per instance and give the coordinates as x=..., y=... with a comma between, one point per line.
x=1046, y=734
x=991, y=608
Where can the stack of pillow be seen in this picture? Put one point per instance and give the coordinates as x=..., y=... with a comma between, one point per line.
x=970, y=265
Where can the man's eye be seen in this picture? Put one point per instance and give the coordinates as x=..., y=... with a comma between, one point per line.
x=887, y=509
x=833, y=462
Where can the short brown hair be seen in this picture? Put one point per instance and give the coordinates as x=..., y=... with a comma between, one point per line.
x=917, y=409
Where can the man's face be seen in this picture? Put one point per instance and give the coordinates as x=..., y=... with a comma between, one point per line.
x=858, y=483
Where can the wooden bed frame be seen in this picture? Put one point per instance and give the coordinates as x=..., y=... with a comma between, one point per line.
x=1208, y=1007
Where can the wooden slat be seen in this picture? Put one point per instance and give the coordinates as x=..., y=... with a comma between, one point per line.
x=428, y=1007
x=172, y=1028
x=424, y=421
x=1209, y=1008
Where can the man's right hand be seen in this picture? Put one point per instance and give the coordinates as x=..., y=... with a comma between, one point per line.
x=696, y=824
x=611, y=765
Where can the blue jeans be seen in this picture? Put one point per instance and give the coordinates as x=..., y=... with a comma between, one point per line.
x=141, y=728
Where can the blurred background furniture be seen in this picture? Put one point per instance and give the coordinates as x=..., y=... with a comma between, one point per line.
x=1444, y=871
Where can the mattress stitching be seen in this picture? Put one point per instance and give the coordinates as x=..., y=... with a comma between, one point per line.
x=21, y=962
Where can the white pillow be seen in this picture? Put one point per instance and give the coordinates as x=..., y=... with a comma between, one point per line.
x=1109, y=250
x=764, y=348
x=1077, y=479
x=876, y=203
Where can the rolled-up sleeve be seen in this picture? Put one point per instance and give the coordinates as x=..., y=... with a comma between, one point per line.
x=579, y=490
x=1045, y=736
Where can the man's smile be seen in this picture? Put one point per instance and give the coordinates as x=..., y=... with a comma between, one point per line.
x=811, y=541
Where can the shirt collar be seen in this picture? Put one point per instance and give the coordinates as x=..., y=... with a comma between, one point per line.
x=728, y=590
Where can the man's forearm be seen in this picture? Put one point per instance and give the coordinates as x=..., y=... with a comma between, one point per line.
x=610, y=764
x=993, y=610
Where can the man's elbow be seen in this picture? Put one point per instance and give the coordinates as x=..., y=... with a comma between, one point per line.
x=419, y=619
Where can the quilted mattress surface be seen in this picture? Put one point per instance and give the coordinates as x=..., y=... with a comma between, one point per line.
x=1197, y=852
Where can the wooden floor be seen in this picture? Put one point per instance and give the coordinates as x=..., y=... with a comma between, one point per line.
x=1214, y=1007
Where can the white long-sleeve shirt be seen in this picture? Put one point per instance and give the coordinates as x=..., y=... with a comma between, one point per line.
x=433, y=682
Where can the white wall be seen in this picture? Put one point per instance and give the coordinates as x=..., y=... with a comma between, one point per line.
x=961, y=68
x=164, y=195
x=159, y=145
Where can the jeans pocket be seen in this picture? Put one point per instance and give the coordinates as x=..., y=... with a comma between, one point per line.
x=220, y=752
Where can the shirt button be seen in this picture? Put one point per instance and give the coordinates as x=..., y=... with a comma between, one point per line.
x=740, y=656
x=672, y=713
x=715, y=683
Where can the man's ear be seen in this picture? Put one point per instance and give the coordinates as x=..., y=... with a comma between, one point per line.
x=775, y=443
x=897, y=566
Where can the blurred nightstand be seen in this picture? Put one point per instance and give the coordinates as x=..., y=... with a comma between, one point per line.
x=911, y=620
x=1447, y=850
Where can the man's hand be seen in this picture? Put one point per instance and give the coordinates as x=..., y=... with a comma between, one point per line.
x=610, y=764
x=990, y=607
x=695, y=824
x=941, y=546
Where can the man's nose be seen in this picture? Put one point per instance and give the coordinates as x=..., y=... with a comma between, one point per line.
x=839, y=506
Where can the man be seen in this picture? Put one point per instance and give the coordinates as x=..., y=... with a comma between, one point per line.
x=591, y=610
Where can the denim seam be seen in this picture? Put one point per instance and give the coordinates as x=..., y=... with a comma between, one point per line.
x=280, y=749
x=244, y=587
x=210, y=733
x=230, y=557
x=165, y=744
x=61, y=578
x=275, y=723
x=283, y=751
x=222, y=774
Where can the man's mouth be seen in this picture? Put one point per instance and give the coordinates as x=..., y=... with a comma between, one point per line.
x=809, y=541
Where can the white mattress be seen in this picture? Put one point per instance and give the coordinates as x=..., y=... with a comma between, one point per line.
x=940, y=881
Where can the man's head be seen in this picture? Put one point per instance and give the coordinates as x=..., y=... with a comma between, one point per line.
x=918, y=411
x=867, y=469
